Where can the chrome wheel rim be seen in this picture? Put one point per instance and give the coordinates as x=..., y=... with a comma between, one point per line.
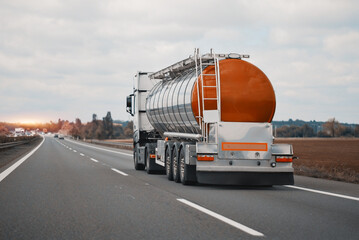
x=175, y=166
x=182, y=163
x=168, y=165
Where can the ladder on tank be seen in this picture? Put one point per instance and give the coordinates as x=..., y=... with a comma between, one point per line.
x=212, y=115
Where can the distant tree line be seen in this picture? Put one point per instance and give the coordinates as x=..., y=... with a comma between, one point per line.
x=96, y=129
x=107, y=128
x=6, y=128
x=330, y=128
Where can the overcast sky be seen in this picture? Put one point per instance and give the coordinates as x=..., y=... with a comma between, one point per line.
x=68, y=58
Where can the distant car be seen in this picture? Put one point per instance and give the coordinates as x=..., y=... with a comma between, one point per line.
x=56, y=136
x=61, y=136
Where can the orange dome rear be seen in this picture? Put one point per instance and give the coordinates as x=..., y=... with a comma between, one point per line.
x=247, y=94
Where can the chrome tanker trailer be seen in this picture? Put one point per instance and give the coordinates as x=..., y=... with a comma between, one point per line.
x=207, y=119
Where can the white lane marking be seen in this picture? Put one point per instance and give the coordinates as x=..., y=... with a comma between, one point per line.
x=118, y=171
x=75, y=151
x=222, y=218
x=5, y=173
x=121, y=153
x=322, y=192
x=70, y=148
x=94, y=160
x=131, y=196
x=82, y=154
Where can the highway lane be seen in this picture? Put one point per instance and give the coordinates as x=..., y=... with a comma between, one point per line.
x=59, y=193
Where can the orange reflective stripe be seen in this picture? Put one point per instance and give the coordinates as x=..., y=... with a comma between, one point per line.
x=236, y=146
x=284, y=159
x=205, y=158
x=152, y=156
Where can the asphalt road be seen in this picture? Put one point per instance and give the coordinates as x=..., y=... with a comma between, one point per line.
x=65, y=190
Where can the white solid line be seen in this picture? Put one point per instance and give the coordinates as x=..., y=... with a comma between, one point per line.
x=82, y=154
x=118, y=171
x=322, y=192
x=86, y=145
x=5, y=173
x=75, y=151
x=222, y=218
x=94, y=160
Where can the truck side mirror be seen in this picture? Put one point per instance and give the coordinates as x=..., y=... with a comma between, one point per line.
x=129, y=104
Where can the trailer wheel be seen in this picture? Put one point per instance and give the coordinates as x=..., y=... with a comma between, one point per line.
x=138, y=166
x=187, y=172
x=168, y=164
x=175, y=171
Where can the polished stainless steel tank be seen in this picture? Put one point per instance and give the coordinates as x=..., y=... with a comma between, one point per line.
x=246, y=95
x=169, y=105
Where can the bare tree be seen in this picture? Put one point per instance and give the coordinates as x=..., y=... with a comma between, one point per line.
x=108, y=125
x=356, y=131
x=332, y=127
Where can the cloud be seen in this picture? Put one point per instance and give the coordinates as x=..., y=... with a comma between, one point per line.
x=343, y=45
x=354, y=90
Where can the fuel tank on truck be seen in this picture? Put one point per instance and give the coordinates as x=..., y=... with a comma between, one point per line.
x=246, y=95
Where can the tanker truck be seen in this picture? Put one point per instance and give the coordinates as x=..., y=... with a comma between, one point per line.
x=207, y=119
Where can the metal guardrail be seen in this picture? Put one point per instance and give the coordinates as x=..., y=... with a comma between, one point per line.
x=12, y=144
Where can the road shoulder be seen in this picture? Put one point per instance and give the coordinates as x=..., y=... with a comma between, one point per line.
x=11, y=155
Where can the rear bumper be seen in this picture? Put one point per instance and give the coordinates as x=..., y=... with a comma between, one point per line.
x=245, y=178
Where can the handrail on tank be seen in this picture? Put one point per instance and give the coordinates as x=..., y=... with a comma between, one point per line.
x=190, y=63
x=183, y=135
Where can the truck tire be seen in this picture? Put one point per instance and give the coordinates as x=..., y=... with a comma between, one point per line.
x=187, y=172
x=150, y=163
x=175, y=168
x=168, y=164
x=138, y=166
